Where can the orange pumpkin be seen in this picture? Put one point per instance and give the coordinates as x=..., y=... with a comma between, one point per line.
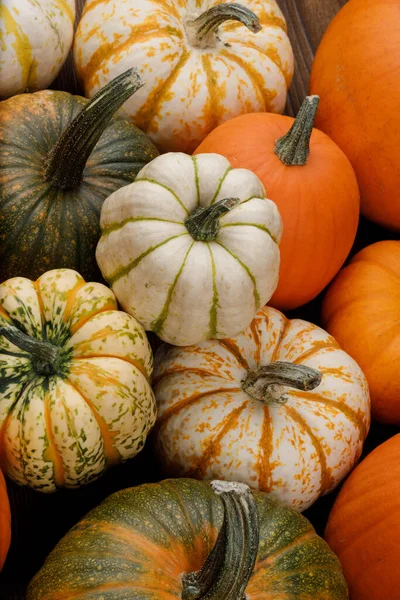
x=314, y=186
x=364, y=525
x=356, y=72
x=5, y=521
x=361, y=311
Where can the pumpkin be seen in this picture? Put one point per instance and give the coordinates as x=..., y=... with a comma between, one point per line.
x=60, y=158
x=280, y=407
x=204, y=61
x=364, y=525
x=191, y=247
x=357, y=74
x=5, y=521
x=191, y=540
x=313, y=185
x=360, y=310
x=35, y=40
x=75, y=394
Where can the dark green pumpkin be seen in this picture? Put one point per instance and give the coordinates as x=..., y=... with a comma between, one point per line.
x=60, y=157
x=187, y=539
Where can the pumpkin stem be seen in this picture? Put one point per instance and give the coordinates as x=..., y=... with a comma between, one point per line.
x=45, y=357
x=294, y=147
x=202, y=31
x=228, y=568
x=67, y=160
x=203, y=224
x=267, y=383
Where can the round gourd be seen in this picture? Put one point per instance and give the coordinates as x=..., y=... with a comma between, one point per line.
x=364, y=525
x=75, y=395
x=5, y=521
x=204, y=61
x=35, y=40
x=313, y=185
x=361, y=311
x=356, y=72
x=191, y=247
x=190, y=540
x=60, y=158
x=281, y=408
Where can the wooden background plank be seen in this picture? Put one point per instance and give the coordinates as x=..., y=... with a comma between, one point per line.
x=40, y=521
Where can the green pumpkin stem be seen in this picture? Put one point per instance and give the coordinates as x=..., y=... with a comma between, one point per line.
x=203, y=224
x=202, y=31
x=45, y=357
x=228, y=568
x=294, y=147
x=266, y=383
x=67, y=160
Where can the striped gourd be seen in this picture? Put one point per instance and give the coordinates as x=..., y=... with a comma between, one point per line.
x=280, y=407
x=35, y=38
x=204, y=61
x=74, y=381
x=191, y=247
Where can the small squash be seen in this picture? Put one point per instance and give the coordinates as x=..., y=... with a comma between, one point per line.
x=356, y=72
x=280, y=407
x=75, y=395
x=361, y=310
x=35, y=40
x=60, y=157
x=190, y=540
x=5, y=521
x=203, y=62
x=313, y=185
x=191, y=247
x=364, y=526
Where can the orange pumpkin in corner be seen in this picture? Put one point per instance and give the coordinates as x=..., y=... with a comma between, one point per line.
x=5, y=521
x=314, y=186
x=364, y=526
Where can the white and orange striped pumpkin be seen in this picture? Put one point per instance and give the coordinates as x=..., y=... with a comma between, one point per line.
x=203, y=61
x=74, y=381
x=280, y=407
x=35, y=38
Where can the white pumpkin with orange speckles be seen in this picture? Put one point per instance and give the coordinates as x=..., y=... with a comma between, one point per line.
x=297, y=444
x=35, y=38
x=74, y=381
x=203, y=61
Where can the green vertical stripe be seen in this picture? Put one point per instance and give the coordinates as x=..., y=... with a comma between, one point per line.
x=196, y=178
x=221, y=181
x=249, y=273
x=215, y=304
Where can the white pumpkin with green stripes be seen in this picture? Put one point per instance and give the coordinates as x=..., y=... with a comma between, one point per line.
x=75, y=395
x=191, y=248
x=35, y=38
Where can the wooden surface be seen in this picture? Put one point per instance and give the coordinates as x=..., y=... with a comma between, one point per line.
x=39, y=521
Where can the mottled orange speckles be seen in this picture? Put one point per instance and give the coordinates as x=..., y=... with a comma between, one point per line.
x=280, y=338
x=326, y=481
x=232, y=346
x=203, y=373
x=70, y=300
x=266, y=449
x=316, y=347
x=339, y=372
x=214, y=109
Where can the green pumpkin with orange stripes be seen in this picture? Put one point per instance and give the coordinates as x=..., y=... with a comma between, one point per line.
x=75, y=395
x=191, y=248
x=60, y=157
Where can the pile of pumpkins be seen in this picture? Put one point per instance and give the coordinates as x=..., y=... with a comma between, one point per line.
x=177, y=199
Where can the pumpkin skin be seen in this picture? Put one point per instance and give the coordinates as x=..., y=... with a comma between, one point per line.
x=357, y=59
x=296, y=446
x=139, y=542
x=364, y=525
x=95, y=408
x=190, y=89
x=316, y=200
x=5, y=521
x=36, y=38
x=183, y=286
x=363, y=322
x=43, y=226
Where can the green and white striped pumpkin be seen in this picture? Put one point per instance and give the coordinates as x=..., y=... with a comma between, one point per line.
x=191, y=248
x=74, y=381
